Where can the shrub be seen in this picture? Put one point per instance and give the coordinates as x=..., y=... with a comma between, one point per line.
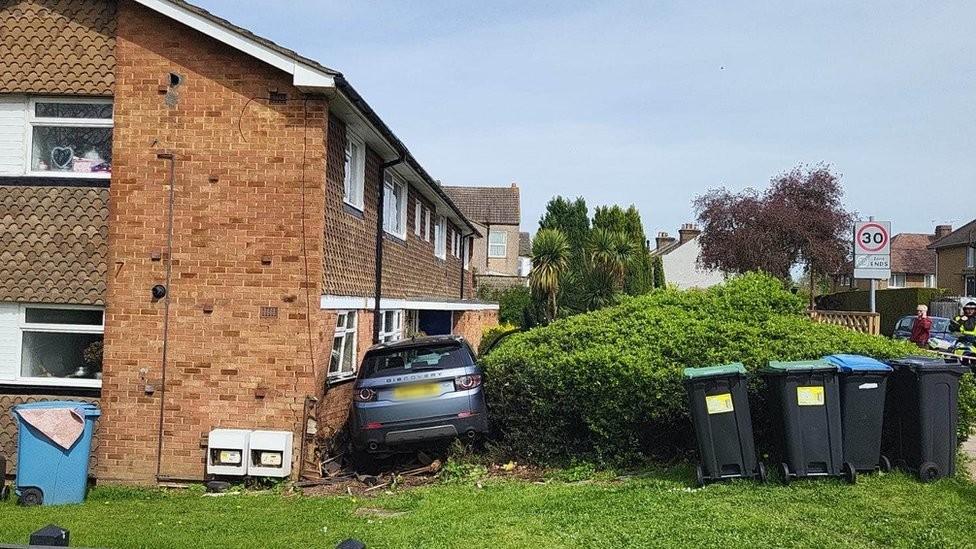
x=491, y=334
x=514, y=303
x=607, y=386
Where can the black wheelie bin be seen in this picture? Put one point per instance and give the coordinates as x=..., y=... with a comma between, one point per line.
x=922, y=415
x=862, y=404
x=718, y=399
x=804, y=401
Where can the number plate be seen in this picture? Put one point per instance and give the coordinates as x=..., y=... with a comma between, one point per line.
x=422, y=390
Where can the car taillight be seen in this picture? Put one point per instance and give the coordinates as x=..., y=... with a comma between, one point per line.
x=365, y=395
x=465, y=383
x=373, y=425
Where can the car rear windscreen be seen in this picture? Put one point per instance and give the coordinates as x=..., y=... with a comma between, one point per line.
x=416, y=359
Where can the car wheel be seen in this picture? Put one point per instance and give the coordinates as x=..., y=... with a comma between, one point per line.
x=29, y=497
x=784, y=473
x=850, y=473
x=928, y=472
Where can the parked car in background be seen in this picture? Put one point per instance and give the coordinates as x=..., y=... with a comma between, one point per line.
x=940, y=328
x=417, y=391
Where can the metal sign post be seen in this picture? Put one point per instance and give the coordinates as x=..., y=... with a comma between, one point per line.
x=872, y=253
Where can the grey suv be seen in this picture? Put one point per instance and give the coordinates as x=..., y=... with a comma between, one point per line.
x=416, y=391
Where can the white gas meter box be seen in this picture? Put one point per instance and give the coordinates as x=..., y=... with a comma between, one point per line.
x=227, y=452
x=270, y=454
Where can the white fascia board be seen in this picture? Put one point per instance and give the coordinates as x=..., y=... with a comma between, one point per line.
x=303, y=75
x=340, y=302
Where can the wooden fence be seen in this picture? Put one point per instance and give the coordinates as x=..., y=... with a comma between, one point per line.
x=868, y=323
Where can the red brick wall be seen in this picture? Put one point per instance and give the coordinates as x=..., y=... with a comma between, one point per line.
x=410, y=268
x=471, y=324
x=237, y=247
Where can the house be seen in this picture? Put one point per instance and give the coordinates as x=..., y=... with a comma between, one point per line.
x=496, y=213
x=201, y=229
x=525, y=254
x=956, y=260
x=913, y=263
x=680, y=259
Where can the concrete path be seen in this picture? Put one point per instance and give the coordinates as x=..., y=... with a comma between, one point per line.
x=969, y=447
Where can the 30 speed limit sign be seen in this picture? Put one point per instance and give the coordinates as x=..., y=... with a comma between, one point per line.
x=872, y=249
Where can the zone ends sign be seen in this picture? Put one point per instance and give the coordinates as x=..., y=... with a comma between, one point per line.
x=872, y=250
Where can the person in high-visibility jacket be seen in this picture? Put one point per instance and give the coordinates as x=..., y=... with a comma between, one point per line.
x=965, y=324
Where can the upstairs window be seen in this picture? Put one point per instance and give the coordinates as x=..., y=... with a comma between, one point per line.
x=971, y=257
x=440, y=237
x=417, y=218
x=355, y=170
x=395, y=206
x=427, y=228
x=70, y=137
x=497, y=243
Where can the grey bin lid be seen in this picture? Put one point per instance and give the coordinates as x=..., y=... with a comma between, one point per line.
x=857, y=363
x=929, y=364
x=798, y=367
x=724, y=370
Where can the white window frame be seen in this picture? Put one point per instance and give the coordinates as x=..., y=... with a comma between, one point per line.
x=428, y=229
x=503, y=244
x=930, y=281
x=345, y=332
x=455, y=242
x=354, y=171
x=440, y=237
x=970, y=257
x=465, y=260
x=394, y=333
x=392, y=211
x=24, y=326
x=34, y=121
x=898, y=280
x=418, y=210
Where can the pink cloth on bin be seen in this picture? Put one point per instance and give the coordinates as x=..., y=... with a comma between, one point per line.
x=62, y=425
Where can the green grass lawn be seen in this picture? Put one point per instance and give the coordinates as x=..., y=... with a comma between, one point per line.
x=650, y=510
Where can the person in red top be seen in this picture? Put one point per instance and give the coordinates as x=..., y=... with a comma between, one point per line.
x=921, y=327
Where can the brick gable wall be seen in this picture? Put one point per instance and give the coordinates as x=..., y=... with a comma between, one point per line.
x=237, y=247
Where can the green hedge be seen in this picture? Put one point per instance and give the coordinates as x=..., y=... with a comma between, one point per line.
x=606, y=385
x=891, y=304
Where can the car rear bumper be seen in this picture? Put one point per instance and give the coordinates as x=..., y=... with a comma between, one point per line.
x=407, y=433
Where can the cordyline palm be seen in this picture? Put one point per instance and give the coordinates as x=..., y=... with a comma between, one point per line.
x=610, y=253
x=550, y=260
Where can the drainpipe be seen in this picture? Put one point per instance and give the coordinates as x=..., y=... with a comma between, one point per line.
x=169, y=271
x=378, y=289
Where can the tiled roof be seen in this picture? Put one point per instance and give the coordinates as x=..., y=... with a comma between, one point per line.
x=910, y=254
x=488, y=205
x=53, y=244
x=959, y=237
x=525, y=245
x=57, y=46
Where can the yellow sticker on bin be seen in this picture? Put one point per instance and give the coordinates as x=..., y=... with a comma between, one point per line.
x=719, y=404
x=810, y=396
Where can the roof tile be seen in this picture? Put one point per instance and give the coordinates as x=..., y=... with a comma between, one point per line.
x=487, y=205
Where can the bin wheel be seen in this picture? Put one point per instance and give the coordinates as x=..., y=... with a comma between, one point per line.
x=761, y=472
x=4, y=493
x=30, y=497
x=850, y=473
x=784, y=473
x=928, y=472
x=885, y=464
x=699, y=476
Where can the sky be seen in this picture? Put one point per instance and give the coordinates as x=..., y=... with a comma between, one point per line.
x=654, y=103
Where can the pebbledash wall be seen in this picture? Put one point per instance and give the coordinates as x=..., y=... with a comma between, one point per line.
x=260, y=231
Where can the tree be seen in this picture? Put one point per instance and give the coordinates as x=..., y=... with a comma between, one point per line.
x=638, y=278
x=610, y=254
x=657, y=268
x=550, y=260
x=799, y=220
x=572, y=219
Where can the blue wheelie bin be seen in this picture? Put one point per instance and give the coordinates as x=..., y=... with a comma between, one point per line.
x=47, y=474
x=862, y=406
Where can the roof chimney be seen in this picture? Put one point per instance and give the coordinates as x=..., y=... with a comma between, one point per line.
x=688, y=231
x=663, y=240
x=942, y=231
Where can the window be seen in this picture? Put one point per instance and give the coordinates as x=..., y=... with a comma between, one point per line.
x=970, y=257
x=456, y=243
x=427, y=227
x=354, y=170
x=897, y=281
x=342, y=363
x=440, y=237
x=930, y=281
x=70, y=137
x=467, y=254
x=392, y=327
x=63, y=343
x=394, y=205
x=417, y=217
x=497, y=243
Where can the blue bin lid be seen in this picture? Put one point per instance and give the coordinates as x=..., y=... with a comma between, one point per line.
x=857, y=363
x=90, y=410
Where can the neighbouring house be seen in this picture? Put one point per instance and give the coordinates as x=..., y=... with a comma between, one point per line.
x=680, y=259
x=202, y=229
x=913, y=263
x=956, y=260
x=496, y=213
x=525, y=254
